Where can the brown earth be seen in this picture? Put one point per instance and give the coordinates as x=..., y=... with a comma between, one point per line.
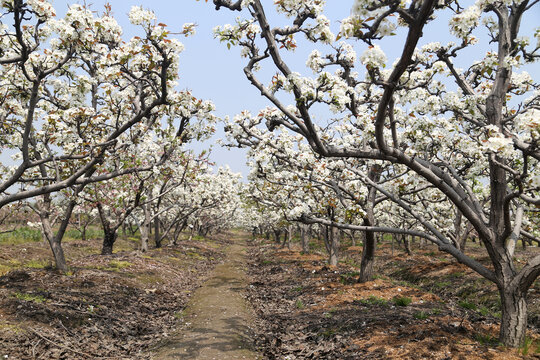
x=424, y=306
x=106, y=307
x=152, y=306
x=217, y=318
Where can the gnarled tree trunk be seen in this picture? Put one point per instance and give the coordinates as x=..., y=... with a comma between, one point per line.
x=514, y=317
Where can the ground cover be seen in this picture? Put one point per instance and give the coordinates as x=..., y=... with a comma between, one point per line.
x=423, y=306
x=106, y=307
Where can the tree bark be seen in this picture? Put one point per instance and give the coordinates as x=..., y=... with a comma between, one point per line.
x=277, y=235
x=332, y=245
x=368, y=255
x=157, y=236
x=304, y=235
x=514, y=317
x=108, y=242
x=55, y=244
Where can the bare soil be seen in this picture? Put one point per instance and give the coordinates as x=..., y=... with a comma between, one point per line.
x=107, y=307
x=217, y=319
x=424, y=306
x=189, y=302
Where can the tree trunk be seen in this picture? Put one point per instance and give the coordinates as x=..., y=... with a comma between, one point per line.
x=332, y=245
x=287, y=238
x=406, y=244
x=514, y=317
x=305, y=238
x=145, y=228
x=55, y=240
x=157, y=236
x=83, y=233
x=277, y=235
x=108, y=242
x=55, y=244
x=368, y=255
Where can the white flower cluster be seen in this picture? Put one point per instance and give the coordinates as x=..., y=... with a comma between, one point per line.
x=42, y=8
x=464, y=22
x=497, y=142
x=373, y=57
x=291, y=8
x=315, y=61
x=140, y=16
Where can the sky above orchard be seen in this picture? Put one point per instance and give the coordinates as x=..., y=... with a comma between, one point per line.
x=215, y=73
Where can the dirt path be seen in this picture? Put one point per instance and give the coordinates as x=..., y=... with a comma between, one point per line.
x=217, y=316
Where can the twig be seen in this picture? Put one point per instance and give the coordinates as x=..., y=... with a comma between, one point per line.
x=70, y=349
x=61, y=345
x=34, y=348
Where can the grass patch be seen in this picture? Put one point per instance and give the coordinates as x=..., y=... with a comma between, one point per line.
x=348, y=278
x=91, y=233
x=487, y=339
x=180, y=314
x=29, y=297
x=442, y=284
x=421, y=315
x=195, y=255
x=456, y=275
x=467, y=305
x=115, y=265
x=20, y=236
x=149, y=278
x=328, y=333
x=38, y=264
x=299, y=304
x=402, y=301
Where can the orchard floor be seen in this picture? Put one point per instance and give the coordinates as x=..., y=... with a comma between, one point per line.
x=189, y=302
x=422, y=306
x=217, y=318
x=106, y=307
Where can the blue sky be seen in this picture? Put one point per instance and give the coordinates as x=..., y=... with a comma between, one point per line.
x=208, y=68
x=215, y=73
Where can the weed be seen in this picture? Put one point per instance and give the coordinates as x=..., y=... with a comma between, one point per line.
x=267, y=262
x=456, y=275
x=328, y=333
x=349, y=277
x=180, y=314
x=118, y=265
x=467, y=305
x=484, y=311
x=38, y=264
x=486, y=339
x=298, y=288
x=421, y=315
x=91, y=233
x=299, y=304
x=442, y=284
x=436, y=311
x=29, y=297
x=195, y=255
x=526, y=346
x=402, y=301
x=21, y=236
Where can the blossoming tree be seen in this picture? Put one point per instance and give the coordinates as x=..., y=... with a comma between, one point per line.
x=472, y=133
x=74, y=96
